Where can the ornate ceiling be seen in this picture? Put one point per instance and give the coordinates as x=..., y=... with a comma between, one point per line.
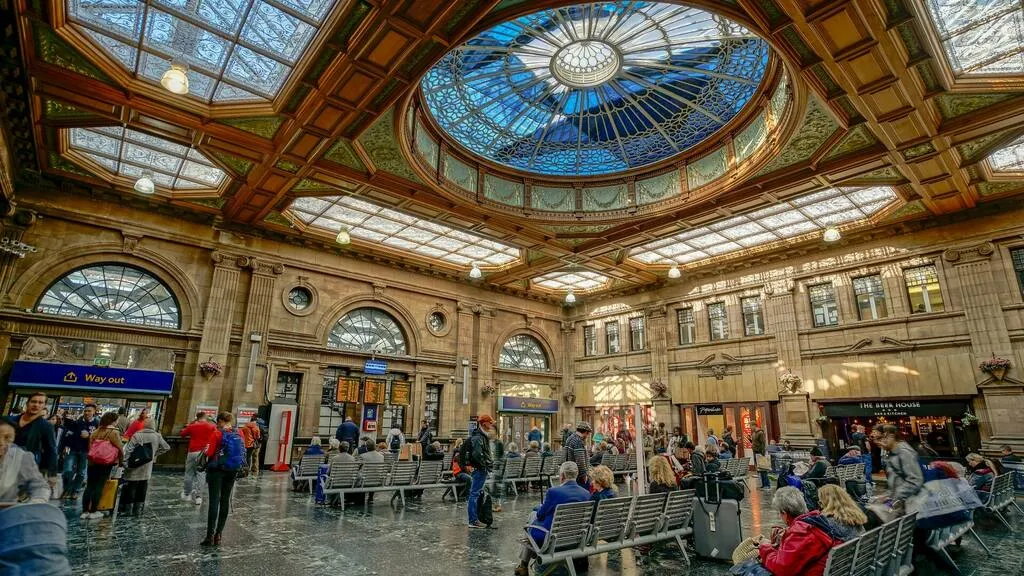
x=306, y=116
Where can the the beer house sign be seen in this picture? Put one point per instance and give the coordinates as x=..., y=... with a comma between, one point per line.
x=896, y=408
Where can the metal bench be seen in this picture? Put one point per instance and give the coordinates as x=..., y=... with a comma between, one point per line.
x=531, y=470
x=549, y=469
x=570, y=528
x=1001, y=497
x=401, y=477
x=307, y=469
x=446, y=463
x=678, y=514
x=840, y=559
x=609, y=524
x=513, y=473
x=867, y=551
x=902, y=551
x=646, y=519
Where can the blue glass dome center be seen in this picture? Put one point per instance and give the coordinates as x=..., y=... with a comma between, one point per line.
x=595, y=89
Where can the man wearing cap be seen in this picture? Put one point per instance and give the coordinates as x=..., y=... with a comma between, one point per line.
x=479, y=458
x=577, y=441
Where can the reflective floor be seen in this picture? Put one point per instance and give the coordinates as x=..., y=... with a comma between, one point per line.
x=272, y=530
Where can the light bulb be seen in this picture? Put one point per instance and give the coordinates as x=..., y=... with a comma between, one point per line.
x=343, y=236
x=144, y=185
x=570, y=298
x=831, y=234
x=674, y=272
x=175, y=79
x=475, y=272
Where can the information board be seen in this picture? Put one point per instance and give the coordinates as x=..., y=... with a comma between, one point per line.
x=347, y=390
x=374, y=391
x=400, y=393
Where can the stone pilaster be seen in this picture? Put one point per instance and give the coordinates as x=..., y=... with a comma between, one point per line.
x=657, y=342
x=985, y=319
x=256, y=323
x=483, y=343
x=217, y=322
x=567, y=410
x=465, y=326
x=13, y=233
x=780, y=319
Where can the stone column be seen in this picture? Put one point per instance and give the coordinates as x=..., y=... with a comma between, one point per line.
x=567, y=410
x=217, y=322
x=780, y=321
x=795, y=423
x=255, y=328
x=657, y=343
x=14, y=229
x=483, y=343
x=465, y=327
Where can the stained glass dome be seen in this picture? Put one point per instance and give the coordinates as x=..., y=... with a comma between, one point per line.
x=596, y=88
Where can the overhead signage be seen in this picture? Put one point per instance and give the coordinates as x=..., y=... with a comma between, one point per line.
x=100, y=361
x=889, y=408
x=710, y=410
x=517, y=404
x=348, y=390
x=374, y=391
x=100, y=379
x=376, y=367
x=369, y=418
x=401, y=393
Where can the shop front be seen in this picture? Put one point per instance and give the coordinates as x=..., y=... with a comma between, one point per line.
x=607, y=421
x=699, y=420
x=518, y=416
x=69, y=387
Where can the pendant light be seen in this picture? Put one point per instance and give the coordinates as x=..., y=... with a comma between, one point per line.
x=343, y=236
x=570, y=298
x=475, y=272
x=831, y=234
x=175, y=79
x=144, y=185
x=674, y=272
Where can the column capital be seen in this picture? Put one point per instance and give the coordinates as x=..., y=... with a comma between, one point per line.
x=265, y=267
x=568, y=326
x=965, y=254
x=228, y=260
x=656, y=311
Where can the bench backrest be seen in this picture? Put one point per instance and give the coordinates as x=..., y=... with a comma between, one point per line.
x=887, y=537
x=402, y=473
x=429, y=472
x=831, y=472
x=343, y=474
x=646, y=517
x=309, y=465
x=514, y=468
x=1002, y=492
x=569, y=527
x=864, y=559
x=618, y=462
x=372, y=474
x=531, y=469
x=630, y=461
x=905, y=538
x=610, y=519
x=390, y=457
x=446, y=463
x=840, y=559
x=679, y=509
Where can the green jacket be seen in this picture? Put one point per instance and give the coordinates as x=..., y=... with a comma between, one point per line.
x=758, y=442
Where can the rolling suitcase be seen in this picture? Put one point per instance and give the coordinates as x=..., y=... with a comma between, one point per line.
x=717, y=530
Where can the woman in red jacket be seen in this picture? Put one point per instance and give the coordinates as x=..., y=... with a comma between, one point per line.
x=805, y=544
x=136, y=424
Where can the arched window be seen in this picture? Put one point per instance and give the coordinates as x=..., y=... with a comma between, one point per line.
x=113, y=292
x=369, y=330
x=523, y=352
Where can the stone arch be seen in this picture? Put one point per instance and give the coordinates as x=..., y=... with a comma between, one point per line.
x=522, y=328
x=383, y=303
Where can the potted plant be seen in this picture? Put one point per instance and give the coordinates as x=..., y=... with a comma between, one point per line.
x=822, y=420
x=488, y=388
x=658, y=389
x=210, y=368
x=790, y=382
x=995, y=366
x=969, y=419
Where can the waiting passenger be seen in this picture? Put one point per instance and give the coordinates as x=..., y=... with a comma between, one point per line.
x=819, y=466
x=569, y=491
x=711, y=456
x=662, y=478
x=852, y=456
x=136, y=485
x=18, y=471
x=698, y=461
x=599, y=453
x=546, y=450
x=982, y=472
x=512, y=450
x=372, y=455
x=344, y=454
x=366, y=444
x=603, y=482
x=847, y=518
x=773, y=447
x=434, y=452
x=333, y=446
x=806, y=542
x=533, y=449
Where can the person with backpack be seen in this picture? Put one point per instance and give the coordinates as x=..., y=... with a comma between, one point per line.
x=140, y=453
x=476, y=453
x=225, y=456
x=105, y=452
x=251, y=436
x=198, y=433
x=395, y=439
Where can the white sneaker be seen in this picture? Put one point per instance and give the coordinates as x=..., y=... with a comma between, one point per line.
x=96, y=515
x=198, y=501
x=84, y=516
x=185, y=497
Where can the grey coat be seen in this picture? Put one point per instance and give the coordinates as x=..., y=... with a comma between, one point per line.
x=903, y=473
x=156, y=443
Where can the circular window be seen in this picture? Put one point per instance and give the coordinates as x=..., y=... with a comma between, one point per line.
x=585, y=63
x=437, y=322
x=299, y=298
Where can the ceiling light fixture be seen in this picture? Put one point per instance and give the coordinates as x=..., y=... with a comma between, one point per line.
x=144, y=185
x=831, y=234
x=674, y=272
x=475, y=272
x=570, y=298
x=175, y=79
x=343, y=236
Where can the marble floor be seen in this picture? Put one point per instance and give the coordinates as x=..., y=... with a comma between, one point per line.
x=272, y=530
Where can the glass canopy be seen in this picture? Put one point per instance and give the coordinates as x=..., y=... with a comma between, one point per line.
x=523, y=352
x=126, y=152
x=236, y=50
x=369, y=330
x=581, y=281
x=398, y=230
x=595, y=88
x=112, y=292
x=1010, y=158
x=981, y=37
x=788, y=219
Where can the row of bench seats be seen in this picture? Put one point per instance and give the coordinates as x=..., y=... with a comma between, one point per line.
x=396, y=477
x=886, y=550
x=581, y=529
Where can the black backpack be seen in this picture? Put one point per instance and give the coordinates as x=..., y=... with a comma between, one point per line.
x=483, y=508
x=466, y=452
x=142, y=454
x=396, y=442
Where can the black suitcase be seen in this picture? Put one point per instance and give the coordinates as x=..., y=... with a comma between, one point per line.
x=717, y=530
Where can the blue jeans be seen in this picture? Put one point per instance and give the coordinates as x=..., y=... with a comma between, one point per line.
x=765, y=481
x=475, y=488
x=867, y=468
x=75, y=465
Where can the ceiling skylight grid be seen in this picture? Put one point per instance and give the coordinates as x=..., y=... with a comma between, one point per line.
x=595, y=88
x=806, y=213
x=236, y=50
x=376, y=224
x=579, y=281
x=980, y=37
x=1009, y=158
x=126, y=152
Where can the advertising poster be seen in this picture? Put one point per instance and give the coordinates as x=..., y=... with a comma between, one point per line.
x=209, y=409
x=245, y=414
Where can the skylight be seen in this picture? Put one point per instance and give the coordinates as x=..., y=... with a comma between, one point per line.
x=801, y=215
x=126, y=152
x=1010, y=158
x=236, y=50
x=981, y=37
x=377, y=224
x=578, y=281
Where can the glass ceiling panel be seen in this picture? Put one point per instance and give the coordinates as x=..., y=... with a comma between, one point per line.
x=595, y=88
x=126, y=152
x=787, y=219
x=579, y=281
x=1010, y=158
x=980, y=37
x=237, y=50
x=369, y=221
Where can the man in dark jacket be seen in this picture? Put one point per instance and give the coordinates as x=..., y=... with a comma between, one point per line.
x=759, y=444
x=425, y=437
x=35, y=434
x=348, y=431
x=76, y=445
x=479, y=458
x=575, y=442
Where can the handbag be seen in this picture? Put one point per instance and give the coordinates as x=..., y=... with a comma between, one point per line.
x=747, y=550
x=103, y=452
x=762, y=462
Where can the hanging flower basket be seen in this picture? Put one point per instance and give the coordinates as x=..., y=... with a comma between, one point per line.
x=995, y=366
x=658, y=389
x=823, y=420
x=488, y=389
x=790, y=382
x=969, y=420
x=210, y=368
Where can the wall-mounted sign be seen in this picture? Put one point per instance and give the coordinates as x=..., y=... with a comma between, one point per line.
x=244, y=414
x=347, y=390
x=516, y=404
x=374, y=391
x=378, y=367
x=710, y=410
x=101, y=361
x=401, y=393
x=209, y=409
x=27, y=373
x=896, y=408
x=369, y=418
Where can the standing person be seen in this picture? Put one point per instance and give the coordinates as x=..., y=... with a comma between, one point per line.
x=860, y=438
x=198, y=433
x=425, y=436
x=76, y=447
x=140, y=454
x=759, y=444
x=35, y=434
x=225, y=457
x=478, y=457
x=566, y=431
x=122, y=420
x=395, y=439
x=729, y=440
x=535, y=435
x=136, y=424
x=660, y=438
x=18, y=471
x=105, y=452
x=348, y=431
x=576, y=441
x=712, y=439
x=903, y=474
x=251, y=435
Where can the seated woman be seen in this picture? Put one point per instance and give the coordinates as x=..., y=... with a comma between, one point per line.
x=546, y=450
x=806, y=542
x=333, y=446
x=533, y=449
x=819, y=466
x=982, y=472
x=711, y=456
x=315, y=447
x=512, y=450
x=599, y=452
x=602, y=482
x=847, y=518
x=852, y=456
x=662, y=478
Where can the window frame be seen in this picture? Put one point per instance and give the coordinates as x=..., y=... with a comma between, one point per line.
x=515, y=349
x=589, y=341
x=691, y=326
x=431, y=406
x=835, y=305
x=1018, y=267
x=757, y=314
x=873, y=298
x=724, y=324
x=608, y=338
x=928, y=304
x=637, y=334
